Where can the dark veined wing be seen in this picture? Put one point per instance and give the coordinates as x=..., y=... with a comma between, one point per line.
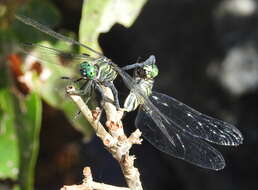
x=176, y=142
x=196, y=123
x=47, y=30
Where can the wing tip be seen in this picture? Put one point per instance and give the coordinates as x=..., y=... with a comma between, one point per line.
x=232, y=137
x=218, y=163
x=240, y=141
x=219, y=167
x=215, y=161
x=237, y=139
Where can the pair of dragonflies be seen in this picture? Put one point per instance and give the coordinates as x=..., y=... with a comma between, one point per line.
x=169, y=125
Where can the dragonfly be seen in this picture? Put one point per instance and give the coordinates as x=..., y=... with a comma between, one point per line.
x=169, y=125
x=173, y=127
x=94, y=71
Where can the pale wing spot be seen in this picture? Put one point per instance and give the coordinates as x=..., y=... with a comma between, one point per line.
x=179, y=138
x=223, y=136
x=190, y=115
x=165, y=104
x=199, y=123
x=155, y=97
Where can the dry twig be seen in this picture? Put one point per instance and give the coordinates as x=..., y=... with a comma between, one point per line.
x=115, y=141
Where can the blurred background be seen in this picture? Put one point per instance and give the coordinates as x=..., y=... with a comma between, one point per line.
x=207, y=54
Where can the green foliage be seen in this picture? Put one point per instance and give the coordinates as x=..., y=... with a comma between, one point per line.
x=42, y=11
x=99, y=16
x=8, y=138
x=19, y=137
x=20, y=115
x=28, y=128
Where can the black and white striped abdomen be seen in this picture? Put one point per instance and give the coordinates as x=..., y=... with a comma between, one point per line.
x=132, y=101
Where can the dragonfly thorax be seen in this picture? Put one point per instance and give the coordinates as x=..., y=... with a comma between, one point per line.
x=88, y=70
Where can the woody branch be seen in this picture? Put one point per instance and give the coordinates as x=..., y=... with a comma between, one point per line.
x=114, y=140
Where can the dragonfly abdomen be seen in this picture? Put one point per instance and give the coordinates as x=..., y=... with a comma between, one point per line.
x=132, y=101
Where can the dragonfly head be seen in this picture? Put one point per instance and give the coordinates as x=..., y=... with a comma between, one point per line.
x=88, y=70
x=147, y=71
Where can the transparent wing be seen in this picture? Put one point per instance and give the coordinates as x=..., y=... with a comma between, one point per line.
x=185, y=118
x=43, y=53
x=196, y=123
x=177, y=143
x=168, y=136
x=47, y=30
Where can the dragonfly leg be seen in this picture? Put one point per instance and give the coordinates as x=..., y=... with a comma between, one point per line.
x=149, y=61
x=68, y=78
x=84, y=89
x=114, y=91
x=65, y=78
x=77, y=114
x=104, y=98
x=83, y=86
x=77, y=80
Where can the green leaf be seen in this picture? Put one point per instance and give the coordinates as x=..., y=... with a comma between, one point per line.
x=99, y=16
x=28, y=129
x=48, y=84
x=51, y=88
x=42, y=11
x=8, y=140
x=20, y=122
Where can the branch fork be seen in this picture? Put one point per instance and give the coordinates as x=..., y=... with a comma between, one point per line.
x=114, y=140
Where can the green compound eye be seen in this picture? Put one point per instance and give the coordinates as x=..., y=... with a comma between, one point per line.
x=90, y=74
x=151, y=71
x=154, y=71
x=88, y=70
